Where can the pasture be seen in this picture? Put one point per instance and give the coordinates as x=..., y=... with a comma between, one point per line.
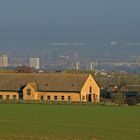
x=68, y=122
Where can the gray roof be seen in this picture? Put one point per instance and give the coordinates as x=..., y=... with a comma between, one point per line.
x=43, y=82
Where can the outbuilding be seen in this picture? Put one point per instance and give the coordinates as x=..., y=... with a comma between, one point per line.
x=49, y=87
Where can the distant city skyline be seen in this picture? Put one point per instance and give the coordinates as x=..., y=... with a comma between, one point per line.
x=64, y=32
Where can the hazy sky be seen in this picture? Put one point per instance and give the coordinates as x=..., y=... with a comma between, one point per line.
x=90, y=18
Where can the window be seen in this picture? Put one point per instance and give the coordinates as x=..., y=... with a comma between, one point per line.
x=48, y=97
x=0, y=97
x=14, y=97
x=55, y=97
x=42, y=97
x=7, y=97
x=62, y=98
x=69, y=98
x=90, y=89
x=28, y=91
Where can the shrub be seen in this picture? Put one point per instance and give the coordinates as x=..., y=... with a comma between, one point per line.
x=131, y=100
x=117, y=98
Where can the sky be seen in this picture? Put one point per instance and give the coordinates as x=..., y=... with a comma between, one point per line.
x=94, y=19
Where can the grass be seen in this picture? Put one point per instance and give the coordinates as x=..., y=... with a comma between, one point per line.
x=68, y=122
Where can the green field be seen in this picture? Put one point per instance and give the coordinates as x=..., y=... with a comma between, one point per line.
x=68, y=122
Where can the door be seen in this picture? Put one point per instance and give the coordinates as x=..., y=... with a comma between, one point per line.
x=89, y=97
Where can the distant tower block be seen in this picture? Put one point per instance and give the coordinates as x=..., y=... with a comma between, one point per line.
x=4, y=61
x=91, y=66
x=77, y=65
x=35, y=63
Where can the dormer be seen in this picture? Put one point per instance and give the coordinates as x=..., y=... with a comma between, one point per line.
x=29, y=91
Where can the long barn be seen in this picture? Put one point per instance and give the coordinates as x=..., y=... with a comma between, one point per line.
x=49, y=87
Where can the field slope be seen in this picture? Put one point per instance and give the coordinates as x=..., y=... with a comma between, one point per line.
x=68, y=122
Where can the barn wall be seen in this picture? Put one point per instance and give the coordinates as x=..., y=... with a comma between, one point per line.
x=94, y=91
x=12, y=95
x=67, y=96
